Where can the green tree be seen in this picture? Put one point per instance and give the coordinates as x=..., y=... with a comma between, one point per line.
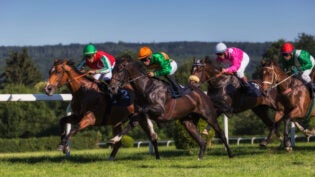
x=20, y=69
x=26, y=119
x=306, y=42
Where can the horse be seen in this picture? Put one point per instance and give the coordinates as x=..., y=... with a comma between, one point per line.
x=157, y=103
x=91, y=105
x=228, y=96
x=293, y=94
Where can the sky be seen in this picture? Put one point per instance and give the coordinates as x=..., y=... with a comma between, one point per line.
x=51, y=22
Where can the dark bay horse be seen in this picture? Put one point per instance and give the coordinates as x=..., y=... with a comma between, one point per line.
x=90, y=105
x=293, y=94
x=227, y=95
x=157, y=103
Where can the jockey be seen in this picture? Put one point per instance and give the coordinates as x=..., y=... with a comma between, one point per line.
x=100, y=63
x=236, y=58
x=295, y=61
x=160, y=65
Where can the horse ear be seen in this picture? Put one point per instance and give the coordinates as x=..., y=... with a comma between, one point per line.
x=263, y=62
x=195, y=59
x=207, y=59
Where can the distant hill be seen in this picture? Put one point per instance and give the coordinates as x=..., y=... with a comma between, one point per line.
x=180, y=51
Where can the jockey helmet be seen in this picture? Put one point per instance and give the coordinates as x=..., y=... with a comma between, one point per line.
x=89, y=49
x=144, y=52
x=287, y=48
x=220, y=48
x=194, y=78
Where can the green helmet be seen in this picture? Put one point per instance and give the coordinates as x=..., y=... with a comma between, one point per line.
x=89, y=49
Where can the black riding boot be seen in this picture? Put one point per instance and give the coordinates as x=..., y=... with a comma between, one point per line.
x=310, y=88
x=175, y=85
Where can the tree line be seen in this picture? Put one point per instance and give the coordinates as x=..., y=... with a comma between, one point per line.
x=24, y=70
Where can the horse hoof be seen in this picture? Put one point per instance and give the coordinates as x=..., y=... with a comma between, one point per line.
x=60, y=147
x=115, y=140
x=289, y=149
x=66, y=150
x=263, y=144
x=205, y=132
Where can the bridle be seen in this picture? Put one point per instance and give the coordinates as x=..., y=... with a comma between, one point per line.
x=61, y=73
x=126, y=78
x=273, y=83
x=203, y=71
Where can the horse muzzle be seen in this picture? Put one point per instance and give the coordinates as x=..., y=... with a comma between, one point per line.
x=49, y=89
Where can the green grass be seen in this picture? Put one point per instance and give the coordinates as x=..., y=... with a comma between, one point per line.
x=249, y=160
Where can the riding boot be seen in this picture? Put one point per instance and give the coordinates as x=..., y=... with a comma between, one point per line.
x=310, y=88
x=244, y=83
x=175, y=85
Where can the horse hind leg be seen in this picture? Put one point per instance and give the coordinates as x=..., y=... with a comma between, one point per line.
x=193, y=132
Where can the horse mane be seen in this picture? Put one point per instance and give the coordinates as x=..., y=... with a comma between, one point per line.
x=71, y=63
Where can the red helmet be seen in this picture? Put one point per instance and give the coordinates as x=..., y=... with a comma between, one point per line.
x=287, y=48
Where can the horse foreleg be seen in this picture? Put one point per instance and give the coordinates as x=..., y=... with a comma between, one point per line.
x=65, y=127
x=214, y=123
x=278, y=116
x=116, y=129
x=147, y=125
x=286, y=141
x=118, y=137
x=194, y=133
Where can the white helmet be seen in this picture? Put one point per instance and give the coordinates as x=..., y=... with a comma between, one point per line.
x=220, y=48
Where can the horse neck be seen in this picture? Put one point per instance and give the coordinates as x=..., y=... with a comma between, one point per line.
x=77, y=81
x=222, y=81
x=281, y=77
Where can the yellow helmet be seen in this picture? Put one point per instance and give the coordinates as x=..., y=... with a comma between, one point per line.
x=194, y=78
x=144, y=52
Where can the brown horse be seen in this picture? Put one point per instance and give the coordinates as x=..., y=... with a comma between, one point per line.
x=228, y=96
x=293, y=95
x=157, y=103
x=90, y=105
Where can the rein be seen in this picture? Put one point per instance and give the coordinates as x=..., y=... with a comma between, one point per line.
x=203, y=70
x=274, y=78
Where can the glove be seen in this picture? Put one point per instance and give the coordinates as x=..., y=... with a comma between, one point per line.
x=294, y=71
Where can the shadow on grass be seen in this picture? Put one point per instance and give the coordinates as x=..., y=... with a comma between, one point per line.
x=164, y=154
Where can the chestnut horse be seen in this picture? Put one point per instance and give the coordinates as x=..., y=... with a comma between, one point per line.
x=293, y=94
x=228, y=96
x=90, y=105
x=157, y=103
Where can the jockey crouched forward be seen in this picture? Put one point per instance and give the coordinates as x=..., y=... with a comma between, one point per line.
x=100, y=65
x=298, y=61
x=160, y=64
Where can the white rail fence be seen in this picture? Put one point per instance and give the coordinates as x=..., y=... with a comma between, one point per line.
x=68, y=97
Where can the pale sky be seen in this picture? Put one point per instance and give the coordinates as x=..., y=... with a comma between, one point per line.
x=50, y=22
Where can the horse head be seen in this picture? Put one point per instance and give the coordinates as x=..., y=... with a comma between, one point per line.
x=126, y=71
x=59, y=75
x=272, y=76
x=202, y=71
